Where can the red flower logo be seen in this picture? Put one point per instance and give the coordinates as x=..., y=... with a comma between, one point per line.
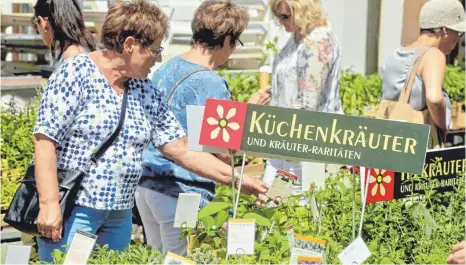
x=223, y=124
x=381, y=185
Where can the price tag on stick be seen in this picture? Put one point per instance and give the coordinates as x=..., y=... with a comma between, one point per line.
x=18, y=254
x=241, y=237
x=81, y=247
x=187, y=208
x=354, y=254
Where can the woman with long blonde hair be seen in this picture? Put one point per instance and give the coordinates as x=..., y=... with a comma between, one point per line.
x=306, y=71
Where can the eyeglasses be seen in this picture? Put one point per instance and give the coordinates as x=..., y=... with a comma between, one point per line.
x=460, y=34
x=283, y=16
x=154, y=50
x=239, y=44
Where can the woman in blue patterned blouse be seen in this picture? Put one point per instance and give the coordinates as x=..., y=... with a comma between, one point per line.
x=216, y=27
x=81, y=107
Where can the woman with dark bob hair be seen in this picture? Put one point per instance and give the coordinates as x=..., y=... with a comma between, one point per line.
x=81, y=106
x=60, y=23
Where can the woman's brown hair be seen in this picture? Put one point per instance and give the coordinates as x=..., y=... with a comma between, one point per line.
x=137, y=18
x=214, y=20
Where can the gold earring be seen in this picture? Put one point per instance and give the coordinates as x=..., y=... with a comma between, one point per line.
x=446, y=35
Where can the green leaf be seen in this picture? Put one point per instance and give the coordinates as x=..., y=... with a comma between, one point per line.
x=208, y=222
x=217, y=241
x=386, y=261
x=265, y=255
x=259, y=216
x=212, y=208
x=220, y=219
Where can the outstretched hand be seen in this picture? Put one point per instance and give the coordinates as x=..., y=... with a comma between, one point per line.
x=261, y=97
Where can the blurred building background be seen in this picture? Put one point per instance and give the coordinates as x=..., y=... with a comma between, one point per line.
x=368, y=31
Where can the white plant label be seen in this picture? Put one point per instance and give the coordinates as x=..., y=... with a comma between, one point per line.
x=18, y=254
x=187, y=208
x=81, y=248
x=354, y=254
x=241, y=236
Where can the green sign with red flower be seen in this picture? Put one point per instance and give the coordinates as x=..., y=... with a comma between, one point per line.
x=314, y=136
x=443, y=170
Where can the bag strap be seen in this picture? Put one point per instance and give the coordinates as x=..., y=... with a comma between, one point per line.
x=405, y=93
x=109, y=141
x=172, y=90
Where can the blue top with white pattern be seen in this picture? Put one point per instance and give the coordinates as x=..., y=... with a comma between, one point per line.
x=79, y=110
x=163, y=175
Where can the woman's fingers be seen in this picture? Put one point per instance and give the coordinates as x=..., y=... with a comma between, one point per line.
x=49, y=221
x=458, y=246
x=56, y=234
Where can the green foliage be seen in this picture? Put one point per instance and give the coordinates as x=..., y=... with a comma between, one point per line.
x=205, y=254
x=459, y=61
x=358, y=91
x=242, y=86
x=270, y=46
x=134, y=254
x=394, y=231
x=16, y=147
x=454, y=82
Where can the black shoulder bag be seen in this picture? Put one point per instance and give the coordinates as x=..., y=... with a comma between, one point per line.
x=24, y=208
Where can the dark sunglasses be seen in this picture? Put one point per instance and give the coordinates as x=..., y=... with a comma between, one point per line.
x=437, y=30
x=283, y=16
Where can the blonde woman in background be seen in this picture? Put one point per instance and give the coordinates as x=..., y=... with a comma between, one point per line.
x=306, y=72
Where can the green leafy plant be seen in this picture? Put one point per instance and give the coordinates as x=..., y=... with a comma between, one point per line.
x=394, y=231
x=16, y=147
x=459, y=61
x=270, y=46
x=242, y=86
x=454, y=82
x=358, y=92
x=134, y=254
